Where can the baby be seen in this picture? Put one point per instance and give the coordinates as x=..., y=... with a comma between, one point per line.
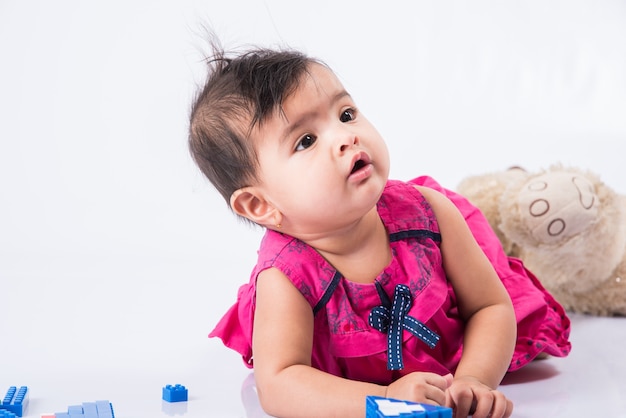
x=363, y=285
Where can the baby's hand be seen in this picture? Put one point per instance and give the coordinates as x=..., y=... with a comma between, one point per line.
x=466, y=395
x=429, y=388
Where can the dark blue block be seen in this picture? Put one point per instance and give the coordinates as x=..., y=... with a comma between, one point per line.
x=175, y=393
x=378, y=407
x=15, y=401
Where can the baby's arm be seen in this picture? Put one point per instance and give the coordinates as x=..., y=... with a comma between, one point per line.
x=287, y=384
x=484, y=303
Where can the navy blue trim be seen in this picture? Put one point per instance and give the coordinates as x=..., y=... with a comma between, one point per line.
x=384, y=297
x=415, y=233
x=328, y=293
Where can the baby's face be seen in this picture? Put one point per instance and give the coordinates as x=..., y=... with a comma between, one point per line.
x=322, y=164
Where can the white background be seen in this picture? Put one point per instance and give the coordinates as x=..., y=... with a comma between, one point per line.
x=117, y=258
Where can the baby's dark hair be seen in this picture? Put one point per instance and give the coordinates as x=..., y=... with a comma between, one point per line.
x=241, y=92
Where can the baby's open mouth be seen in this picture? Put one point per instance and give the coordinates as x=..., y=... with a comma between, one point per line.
x=357, y=166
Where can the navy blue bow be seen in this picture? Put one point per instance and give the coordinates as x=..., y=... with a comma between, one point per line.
x=394, y=321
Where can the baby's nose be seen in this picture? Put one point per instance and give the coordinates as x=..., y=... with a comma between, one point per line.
x=347, y=142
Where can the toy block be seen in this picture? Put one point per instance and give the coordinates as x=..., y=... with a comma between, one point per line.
x=97, y=409
x=90, y=409
x=378, y=407
x=6, y=414
x=75, y=410
x=105, y=409
x=15, y=400
x=437, y=411
x=175, y=393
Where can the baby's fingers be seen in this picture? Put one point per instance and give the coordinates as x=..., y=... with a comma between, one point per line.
x=420, y=387
x=461, y=400
x=432, y=389
x=493, y=404
x=438, y=388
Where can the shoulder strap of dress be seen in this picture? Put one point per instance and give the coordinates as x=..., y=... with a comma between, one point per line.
x=328, y=293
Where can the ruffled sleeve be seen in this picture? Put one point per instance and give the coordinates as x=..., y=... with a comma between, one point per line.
x=235, y=327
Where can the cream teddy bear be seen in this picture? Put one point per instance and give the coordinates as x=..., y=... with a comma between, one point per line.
x=568, y=228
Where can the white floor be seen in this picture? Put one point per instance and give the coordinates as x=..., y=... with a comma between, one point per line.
x=591, y=382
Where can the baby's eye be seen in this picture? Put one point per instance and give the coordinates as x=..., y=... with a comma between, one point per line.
x=347, y=115
x=305, y=142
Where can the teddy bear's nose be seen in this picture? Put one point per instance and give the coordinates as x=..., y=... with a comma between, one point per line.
x=586, y=192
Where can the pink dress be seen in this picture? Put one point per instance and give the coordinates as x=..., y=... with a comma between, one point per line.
x=407, y=320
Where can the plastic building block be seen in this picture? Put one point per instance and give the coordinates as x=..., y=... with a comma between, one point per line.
x=175, y=393
x=6, y=414
x=16, y=400
x=98, y=409
x=90, y=409
x=378, y=407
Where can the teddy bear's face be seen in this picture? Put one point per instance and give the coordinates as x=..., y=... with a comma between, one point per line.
x=555, y=206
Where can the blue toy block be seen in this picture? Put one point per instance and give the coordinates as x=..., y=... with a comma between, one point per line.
x=15, y=400
x=90, y=410
x=98, y=409
x=176, y=393
x=75, y=409
x=378, y=407
x=105, y=409
x=6, y=414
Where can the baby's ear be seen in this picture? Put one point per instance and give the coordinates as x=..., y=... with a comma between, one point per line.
x=249, y=203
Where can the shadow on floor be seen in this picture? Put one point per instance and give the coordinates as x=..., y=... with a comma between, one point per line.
x=535, y=371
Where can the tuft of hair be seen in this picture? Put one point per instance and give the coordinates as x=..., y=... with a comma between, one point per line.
x=242, y=90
